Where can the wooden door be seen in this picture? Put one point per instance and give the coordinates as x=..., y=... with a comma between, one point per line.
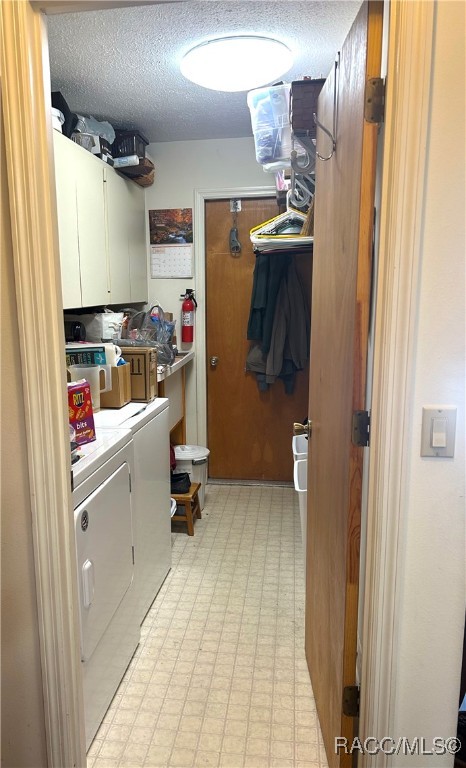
x=339, y=328
x=249, y=432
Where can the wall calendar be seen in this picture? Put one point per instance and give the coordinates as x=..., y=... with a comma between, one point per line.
x=171, y=238
x=171, y=261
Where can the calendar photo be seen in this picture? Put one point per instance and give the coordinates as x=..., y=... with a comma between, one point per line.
x=171, y=226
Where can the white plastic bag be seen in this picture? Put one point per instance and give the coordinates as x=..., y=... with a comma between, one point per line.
x=100, y=326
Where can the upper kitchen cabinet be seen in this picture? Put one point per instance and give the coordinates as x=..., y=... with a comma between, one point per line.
x=67, y=224
x=88, y=171
x=101, y=224
x=116, y=198
x=137, y=242
x=125, y=205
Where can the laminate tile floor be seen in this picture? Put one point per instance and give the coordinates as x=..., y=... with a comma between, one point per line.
x=220, y=677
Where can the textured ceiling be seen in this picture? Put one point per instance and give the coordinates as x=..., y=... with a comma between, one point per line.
x=122, y=65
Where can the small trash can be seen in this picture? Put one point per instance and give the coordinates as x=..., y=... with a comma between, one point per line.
x=193, y=459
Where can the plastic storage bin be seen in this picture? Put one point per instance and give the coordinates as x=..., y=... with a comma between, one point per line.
x=300, y=484
x=193, y=459
x=270, y=119
x=299, y=445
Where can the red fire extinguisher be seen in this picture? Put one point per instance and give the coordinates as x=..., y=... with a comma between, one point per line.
x=187, y=316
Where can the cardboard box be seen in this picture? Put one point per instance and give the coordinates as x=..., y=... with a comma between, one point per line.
x=80, y=412
x=143, y=361
x=120, y=393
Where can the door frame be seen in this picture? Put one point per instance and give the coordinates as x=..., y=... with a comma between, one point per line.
x=26, y=107
x=37, y=275
x=406, y=134
x=200, y=198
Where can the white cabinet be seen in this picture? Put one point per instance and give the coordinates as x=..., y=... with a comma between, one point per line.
x=125, y=205
x=116, y=196
x=137, y=242
x=67, y=225
x=88, y=171
x=101, y=224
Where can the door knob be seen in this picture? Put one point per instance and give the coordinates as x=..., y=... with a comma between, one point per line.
x=302, y=429
x=214, y=361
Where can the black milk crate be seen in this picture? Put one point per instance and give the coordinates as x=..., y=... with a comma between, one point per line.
x=129, y=143
x=303, y=105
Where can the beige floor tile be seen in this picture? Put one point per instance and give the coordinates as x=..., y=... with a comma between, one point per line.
x=112, y=750
x=308, y=752
x=163, y=738
x=234, y=744
x=210, y=742
x=194, y=708
x=220, y=677
x=157, y=756
x=228, y=760
x=206, y=759
x=236, y=728
x=104, y=762
x=182, y=758
x=134, y=754
x=255, y=746
x=282, y=750
x=170, y=722
x=217, y=710
x=186, y=740
x=256, y=761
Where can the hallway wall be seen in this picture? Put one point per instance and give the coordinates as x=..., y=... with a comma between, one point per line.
x=431, y=575
x=180, y=168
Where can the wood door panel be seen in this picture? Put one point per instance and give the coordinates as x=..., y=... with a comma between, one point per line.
x=249, y=432
x=339, y=326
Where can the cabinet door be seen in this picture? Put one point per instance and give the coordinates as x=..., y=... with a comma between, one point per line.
x=137, y=242
x=118, y=215
x=65, y=181
x=91, y=228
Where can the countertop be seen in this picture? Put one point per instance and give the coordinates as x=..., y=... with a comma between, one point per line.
x=180, y=361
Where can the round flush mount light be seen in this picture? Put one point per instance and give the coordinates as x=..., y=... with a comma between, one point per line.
x=236, y=63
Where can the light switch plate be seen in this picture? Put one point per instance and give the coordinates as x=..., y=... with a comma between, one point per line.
x=435, y=417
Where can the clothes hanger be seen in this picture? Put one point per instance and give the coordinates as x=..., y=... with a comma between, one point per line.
x=271, y=235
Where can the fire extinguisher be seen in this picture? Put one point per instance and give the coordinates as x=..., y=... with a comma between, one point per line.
x=187, y=316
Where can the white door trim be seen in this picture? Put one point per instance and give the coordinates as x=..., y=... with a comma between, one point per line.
x=32, y=201
x=200, y=197
x=404, y=167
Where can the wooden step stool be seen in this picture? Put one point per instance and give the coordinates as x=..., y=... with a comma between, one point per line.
x=192, y=508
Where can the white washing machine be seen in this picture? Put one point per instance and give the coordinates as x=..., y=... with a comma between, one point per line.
x=149, y=426
x=110, y=630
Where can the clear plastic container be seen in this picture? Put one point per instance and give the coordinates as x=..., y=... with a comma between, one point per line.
x=270, y=119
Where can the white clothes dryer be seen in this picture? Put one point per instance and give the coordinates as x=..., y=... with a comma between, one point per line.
x=149, y=427
x=109, y=625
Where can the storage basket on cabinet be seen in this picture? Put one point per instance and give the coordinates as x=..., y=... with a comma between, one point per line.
x=129, y=143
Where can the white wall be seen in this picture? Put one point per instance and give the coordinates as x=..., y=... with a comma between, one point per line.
x=180, y=168
x=431, y=572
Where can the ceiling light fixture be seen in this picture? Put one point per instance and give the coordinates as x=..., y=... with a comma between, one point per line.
x=236, y=63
